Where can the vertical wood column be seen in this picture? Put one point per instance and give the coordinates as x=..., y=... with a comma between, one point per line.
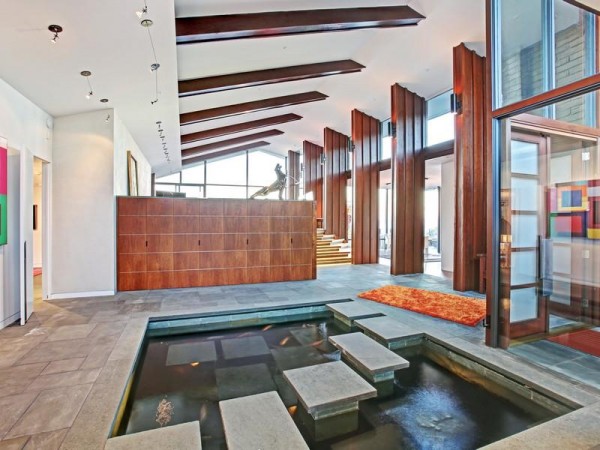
x=470, y=156
x=313, y=174
x=293, y=173
x=336, y=164
x=408, y=181
x=366, y=137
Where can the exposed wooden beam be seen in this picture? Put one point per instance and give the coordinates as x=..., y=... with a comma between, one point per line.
x=589, y=5
x=238, y=127
x=250, y=107
x=242, y=148
x=269, y=24
x=240, y=80
x=194, y=151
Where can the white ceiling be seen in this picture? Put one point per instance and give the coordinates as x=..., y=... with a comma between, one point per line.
x=419, y=58
x=106, y=38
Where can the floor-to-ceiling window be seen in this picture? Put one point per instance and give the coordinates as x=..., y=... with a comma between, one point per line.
x=546, y=187
x=234, y=176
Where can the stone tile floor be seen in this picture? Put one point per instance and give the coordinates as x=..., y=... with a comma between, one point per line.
x=62, y=375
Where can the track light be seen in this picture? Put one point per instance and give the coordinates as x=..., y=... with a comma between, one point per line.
x=55, y=29
x=107, y=118
x=87, y=74
x=143, y=12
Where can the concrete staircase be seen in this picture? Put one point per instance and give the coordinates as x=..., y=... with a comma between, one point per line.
x=331, y=251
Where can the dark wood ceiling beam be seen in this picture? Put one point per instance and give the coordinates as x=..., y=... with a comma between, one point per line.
x=250, y=107
x=238, y=127
x=242, y=148
x=194, y=151
x=270, y=24
x=240, y=80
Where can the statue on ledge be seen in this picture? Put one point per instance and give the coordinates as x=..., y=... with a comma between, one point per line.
x=278, y=185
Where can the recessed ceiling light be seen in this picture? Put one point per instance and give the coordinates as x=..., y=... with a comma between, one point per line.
x=103, y=100
x=147, y=23
x=55, y=29
x=86, y=73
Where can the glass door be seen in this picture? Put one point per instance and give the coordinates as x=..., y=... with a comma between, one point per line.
x=523, y=235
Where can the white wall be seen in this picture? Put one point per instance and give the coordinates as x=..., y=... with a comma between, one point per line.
x=25, y=126
x=123, y=141
x=447, y=199
x=83, y=205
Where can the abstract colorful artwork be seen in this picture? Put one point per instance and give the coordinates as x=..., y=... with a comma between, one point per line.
x=568, y=225
x=572, y=198
x=3, y=191
x=593, y=217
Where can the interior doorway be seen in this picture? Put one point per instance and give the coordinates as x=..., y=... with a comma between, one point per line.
x=438, y=232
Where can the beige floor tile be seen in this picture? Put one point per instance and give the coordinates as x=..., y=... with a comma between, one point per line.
x=14, y=379
x=63, y=379
x=55, y=351
x=14, y=444
x=12, y=408
x=46, y=441
x=71, y=332
x=52, y=410
x=65, y=365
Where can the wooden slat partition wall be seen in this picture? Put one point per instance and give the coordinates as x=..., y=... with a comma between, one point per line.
x=293, y=173
x=335, y=216
x=177, y=243
x=408, y=181
x=313, y=174
x=470, y=156
x=366, y=137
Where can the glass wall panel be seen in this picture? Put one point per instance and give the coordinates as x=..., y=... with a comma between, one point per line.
x=231, y=170
x=193, y=175
x=225, y=191
x=521, y=61
x=261, y=168
x=544, y=44
x=549, y=267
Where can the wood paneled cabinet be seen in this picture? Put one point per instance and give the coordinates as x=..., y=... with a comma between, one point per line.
x=176, y=243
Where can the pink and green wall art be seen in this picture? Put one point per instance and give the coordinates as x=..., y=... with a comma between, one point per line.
x=3, y=193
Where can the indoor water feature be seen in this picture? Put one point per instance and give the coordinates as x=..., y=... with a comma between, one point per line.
x=435, y=404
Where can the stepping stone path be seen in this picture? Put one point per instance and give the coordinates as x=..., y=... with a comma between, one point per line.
x=371, y=359
x=259, y=422
x=329, y=393
x=348, y=312
x=388, y=331
x=185, y=436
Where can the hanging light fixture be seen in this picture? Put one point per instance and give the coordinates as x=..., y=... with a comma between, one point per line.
x=56, y=29
x=87, y=74
x=143, y=11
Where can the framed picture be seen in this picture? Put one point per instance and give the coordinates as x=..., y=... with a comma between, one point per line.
x=568, y=225
x=3, y=191
x=572, y=198
x=132, y=174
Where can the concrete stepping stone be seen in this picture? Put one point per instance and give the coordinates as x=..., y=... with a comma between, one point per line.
x=259, y=422
x=388, y=332
x=372, y=360
x=329, y=394
x=348, y=312
x=185, y=436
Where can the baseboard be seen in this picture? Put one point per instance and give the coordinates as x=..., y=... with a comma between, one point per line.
x=10, y=320
x=66, y=295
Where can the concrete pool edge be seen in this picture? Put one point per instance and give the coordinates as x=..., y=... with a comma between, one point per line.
x=98, y=414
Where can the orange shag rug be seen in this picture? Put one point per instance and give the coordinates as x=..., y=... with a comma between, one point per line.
x=465, y=310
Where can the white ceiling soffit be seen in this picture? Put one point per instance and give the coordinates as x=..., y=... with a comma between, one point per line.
x=419, y=58
x=104, y=37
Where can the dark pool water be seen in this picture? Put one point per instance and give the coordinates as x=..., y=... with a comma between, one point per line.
x=182, y=379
